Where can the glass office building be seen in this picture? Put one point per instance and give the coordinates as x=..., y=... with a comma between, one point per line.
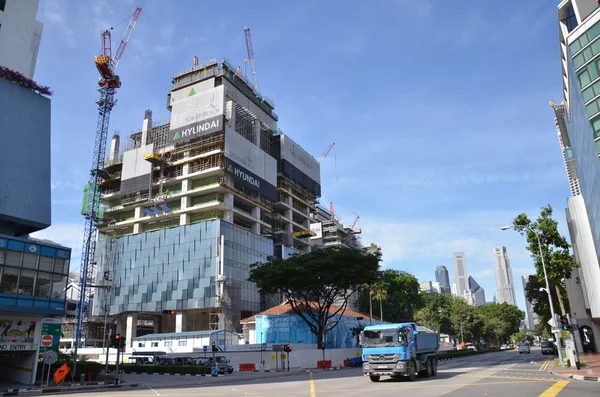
x=33, y=276
x=179, y=269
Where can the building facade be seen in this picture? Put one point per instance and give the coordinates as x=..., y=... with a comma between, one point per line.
x=442, y=277
x=461, y=275
x=477, y=292
x=504, y=277
x=188, y=204
x=579, y=37
x=531, y=317
x=20, y=35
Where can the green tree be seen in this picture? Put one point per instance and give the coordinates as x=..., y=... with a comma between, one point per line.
x=312, y=282
x=402, y=295
x=502, y=321
x=435, y=312
x=555, y=248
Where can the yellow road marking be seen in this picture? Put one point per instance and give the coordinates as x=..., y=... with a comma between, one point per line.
x=545, y=365
x=553, y=390
x=509, y=377
x=312, y=387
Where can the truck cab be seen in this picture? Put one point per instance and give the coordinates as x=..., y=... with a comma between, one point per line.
x=396, y=350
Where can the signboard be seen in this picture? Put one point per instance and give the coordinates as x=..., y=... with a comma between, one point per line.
x=277, y=348
x=198, y=129
x=17, y=332
x=18, y=346
x=51, y=328
x=198, y=106
x=317, y=230
x=243, y=176
x=50, y=357
x=251, y=157
x=300, y=159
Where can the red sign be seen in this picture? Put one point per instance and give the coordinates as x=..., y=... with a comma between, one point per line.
x=46, y=340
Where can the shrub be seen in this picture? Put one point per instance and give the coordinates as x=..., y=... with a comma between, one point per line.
x=18, y=78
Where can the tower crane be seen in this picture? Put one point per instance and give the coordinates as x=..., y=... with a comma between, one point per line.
x=251, y=58
x=109, y=82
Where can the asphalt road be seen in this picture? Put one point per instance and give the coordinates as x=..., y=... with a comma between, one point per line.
x=505, y=374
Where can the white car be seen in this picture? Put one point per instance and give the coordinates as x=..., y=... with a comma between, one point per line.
x=524, y=348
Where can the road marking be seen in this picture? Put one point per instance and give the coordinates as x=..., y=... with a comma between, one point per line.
x=510, y=377
x=553, y=390
x=155, y=392
x=312, y=387
x=544, y=365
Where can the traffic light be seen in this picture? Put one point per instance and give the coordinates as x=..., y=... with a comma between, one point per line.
x=322, y=346
x=214, y=346
x=170, y=312
x=287, y=348
x=564, y=322
x=122, y=343
x=115, y=341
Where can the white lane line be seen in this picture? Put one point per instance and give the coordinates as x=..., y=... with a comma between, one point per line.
x=155, y=392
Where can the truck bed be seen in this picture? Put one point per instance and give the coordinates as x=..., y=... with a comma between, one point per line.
x=427, y=340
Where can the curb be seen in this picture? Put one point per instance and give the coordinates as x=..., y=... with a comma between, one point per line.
x=467, y=356
x=578, y=377
x=173, y=374
x=62, y=390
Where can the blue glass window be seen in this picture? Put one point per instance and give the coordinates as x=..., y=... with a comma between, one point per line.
x=571, y=20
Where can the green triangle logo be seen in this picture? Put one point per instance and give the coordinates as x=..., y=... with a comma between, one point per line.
x=177, y=136
x=230, y=169
x=192, y=92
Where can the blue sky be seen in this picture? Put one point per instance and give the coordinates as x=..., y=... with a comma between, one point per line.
x=439, y=109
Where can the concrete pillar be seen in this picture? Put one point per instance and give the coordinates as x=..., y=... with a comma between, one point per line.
x=228, y=216
x=185, y=184
x=114, y=147
x=146, y=126
x=228, y=200
x=184, y=219
x=185, y=202
x=256, y=128
x=180, y=322
x=138, y=228
x=186, y=169
x=131, y=329
x=255, y=225
x=288, y=214
x=138, y=213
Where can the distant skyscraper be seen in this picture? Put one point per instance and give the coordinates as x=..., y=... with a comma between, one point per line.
x=532, y=317
x=477, y=292
x=461, y=275
x=442, y=277
x=504, y=277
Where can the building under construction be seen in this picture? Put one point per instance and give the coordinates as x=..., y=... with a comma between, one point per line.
x=188, y=204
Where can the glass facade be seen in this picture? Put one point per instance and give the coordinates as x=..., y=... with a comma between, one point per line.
x=33, y=276
x=175, y=268
x=584, y=126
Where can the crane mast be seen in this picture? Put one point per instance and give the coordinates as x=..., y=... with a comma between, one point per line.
x=251, y=58
x=108, y=83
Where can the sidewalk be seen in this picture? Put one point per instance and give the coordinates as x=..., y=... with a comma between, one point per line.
x=590, y=370
x=75, y=388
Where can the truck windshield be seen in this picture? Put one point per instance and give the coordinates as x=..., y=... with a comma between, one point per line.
x=380, y=338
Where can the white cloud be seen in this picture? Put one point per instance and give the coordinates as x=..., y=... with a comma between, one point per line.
x=55, y=15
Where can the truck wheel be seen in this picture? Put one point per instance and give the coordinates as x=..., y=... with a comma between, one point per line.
x=412, y=371
x=374, y=378
x=429, y=368
x=434, y=364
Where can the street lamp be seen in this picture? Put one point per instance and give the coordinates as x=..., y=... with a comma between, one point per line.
x=557, y=335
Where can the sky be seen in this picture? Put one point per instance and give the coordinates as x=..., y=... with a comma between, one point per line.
x=438, y=109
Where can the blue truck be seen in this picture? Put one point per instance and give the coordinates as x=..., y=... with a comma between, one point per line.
x=399, y=350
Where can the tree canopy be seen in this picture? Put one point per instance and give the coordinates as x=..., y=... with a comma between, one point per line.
x=401, y=297
x=313, y=282
x=557, y=257
x=453, y=316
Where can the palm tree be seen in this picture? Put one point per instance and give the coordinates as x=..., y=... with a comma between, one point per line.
x=380, y=293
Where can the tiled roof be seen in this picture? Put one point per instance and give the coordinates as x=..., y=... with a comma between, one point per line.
x=286, y=308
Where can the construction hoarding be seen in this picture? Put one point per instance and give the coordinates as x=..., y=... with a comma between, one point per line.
x=299, y=165
x=248, y=158
x=198, y=114
x=137, y=172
